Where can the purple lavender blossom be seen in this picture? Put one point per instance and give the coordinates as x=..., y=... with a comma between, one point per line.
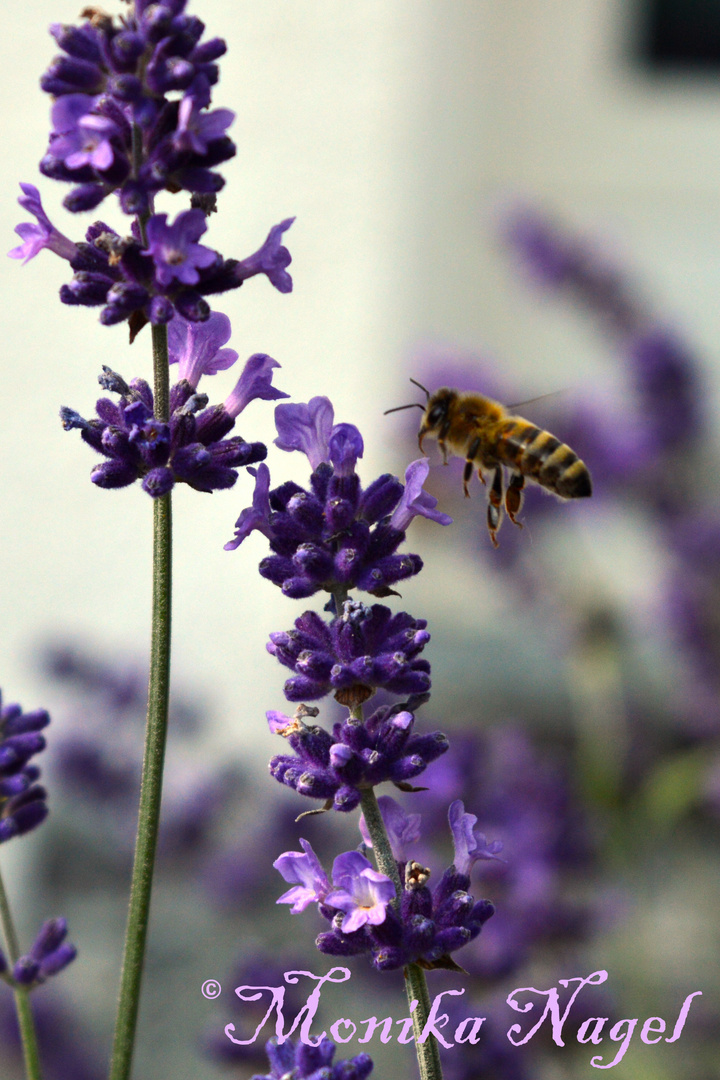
x=559, y=259
x=196, y=130
x=43, y=235
x=469, y=845
x=170, y=277
x=82, y=137
x=190, y=448
x=358, y=754
x=174, y=248
x=359, y=651
x=271, y=259
x=402, y=829
x=255, y=382
x=197, y=348
x=305, y=873
x=416, y=502
x=256, y=516
x=303, y=1062
x=22, y=800
x=336, y=536
x=306, y=428
x=360, y=892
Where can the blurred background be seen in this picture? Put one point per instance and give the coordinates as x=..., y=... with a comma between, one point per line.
x=518, y=198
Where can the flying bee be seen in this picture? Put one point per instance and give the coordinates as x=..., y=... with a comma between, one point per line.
x=491, y=440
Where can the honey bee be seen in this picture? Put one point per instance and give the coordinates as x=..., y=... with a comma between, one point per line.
x=491, y=440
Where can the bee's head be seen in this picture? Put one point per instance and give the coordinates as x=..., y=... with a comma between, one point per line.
x=436, y=413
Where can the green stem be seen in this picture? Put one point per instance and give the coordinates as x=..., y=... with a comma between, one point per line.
x=416, y=989
x=155, y=739
x=22, y=996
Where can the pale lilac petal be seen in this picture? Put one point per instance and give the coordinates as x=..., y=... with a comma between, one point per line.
x=255, y=382
x=196, y=346
x=42, y=235
x=402, y=829
x=414, y=500
x=469, y=846
x=255, y=516
x=306, y=428
x=359, y=891
x=305, y=873
x=271, y=259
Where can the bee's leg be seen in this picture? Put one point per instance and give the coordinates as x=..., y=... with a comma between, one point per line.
x=494, y=510
x=469, y=462
x=513, y=497
x=442, y=436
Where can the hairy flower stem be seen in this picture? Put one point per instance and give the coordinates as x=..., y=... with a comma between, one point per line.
x=22, y=997
x=155, y=739
x=415, y=983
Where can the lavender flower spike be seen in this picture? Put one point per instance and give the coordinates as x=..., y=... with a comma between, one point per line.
x=197, y=347
x=416, y=502
x=362, y=893
x=49, y=954
x=339, y=766
x=469, y=846
x=306, y=428
x=307, y=876
x=307, y=1062
x=22, y=799
x=271, y=259
x=43, y=235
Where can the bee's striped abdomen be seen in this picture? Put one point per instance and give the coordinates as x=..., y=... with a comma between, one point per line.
x=551, y=463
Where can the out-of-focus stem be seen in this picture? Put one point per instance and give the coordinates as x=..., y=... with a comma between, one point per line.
x=26, y=1023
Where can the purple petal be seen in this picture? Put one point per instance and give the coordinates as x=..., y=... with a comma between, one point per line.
x=196, y=347
x=345, y=446
x=414, y=500
x=196, y=128
x=306, y=428
x=42, y=235
x=271, y=259
x=255, y=382
x=255, y=516
x=174, y=249
x=361, y=892
x=469, y=846
x=305, y=873
x=402, y=828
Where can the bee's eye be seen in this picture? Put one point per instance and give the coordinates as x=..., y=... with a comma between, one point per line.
x=436, y=414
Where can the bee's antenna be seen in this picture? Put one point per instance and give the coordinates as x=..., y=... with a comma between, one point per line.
x=421, y=387
x=399, y=408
